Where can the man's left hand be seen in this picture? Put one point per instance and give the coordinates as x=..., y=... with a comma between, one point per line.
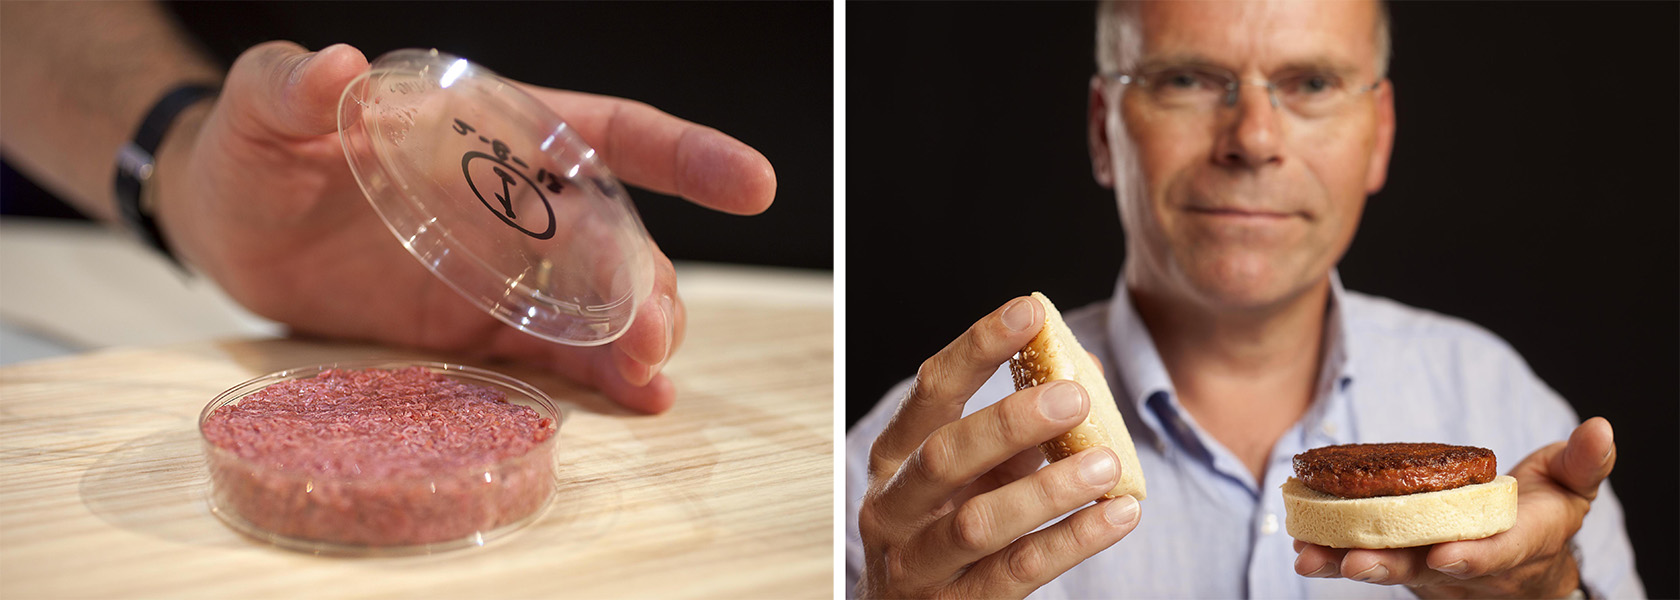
x=1555, y=487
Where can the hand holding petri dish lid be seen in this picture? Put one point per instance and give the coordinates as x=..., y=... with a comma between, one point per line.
x=497, y=196
x=500, y=199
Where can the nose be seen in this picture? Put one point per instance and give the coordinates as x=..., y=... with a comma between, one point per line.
x=1250, y=135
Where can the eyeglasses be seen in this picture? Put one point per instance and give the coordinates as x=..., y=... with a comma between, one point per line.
x=1306, y=94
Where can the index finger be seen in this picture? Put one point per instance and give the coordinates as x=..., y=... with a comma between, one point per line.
x=650, y=148
x=945, y=381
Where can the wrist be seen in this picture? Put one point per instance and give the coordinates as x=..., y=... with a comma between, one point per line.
x=137, y=180
x=1574, y=587
x=170, y=195
x=1564, y=584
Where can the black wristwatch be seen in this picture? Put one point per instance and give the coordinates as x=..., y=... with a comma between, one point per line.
x=135, y=163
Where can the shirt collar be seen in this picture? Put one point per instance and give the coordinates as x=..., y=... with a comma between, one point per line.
x=1328, y=413
x=1338, y=345
x=1139, y=365
x=1142, y=374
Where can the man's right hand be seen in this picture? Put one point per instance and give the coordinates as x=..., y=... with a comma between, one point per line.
x=257, y=195
x=953, y=501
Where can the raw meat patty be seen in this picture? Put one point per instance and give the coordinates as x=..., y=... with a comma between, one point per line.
x=379, y=458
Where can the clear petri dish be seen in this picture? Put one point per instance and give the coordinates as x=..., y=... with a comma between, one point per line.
x=497, y=195
x=306, y=474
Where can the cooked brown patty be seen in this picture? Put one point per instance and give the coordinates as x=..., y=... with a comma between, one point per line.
x=1369, y=470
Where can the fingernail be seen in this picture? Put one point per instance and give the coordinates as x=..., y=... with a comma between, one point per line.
x=669, y=305
x=1324, y=569
x=1061, y=401
x=1455, y=568
x=1121, y=511
x=661, y=354
x=1372, y=575
x=1018, y=315
x=299, y=67
x=1097, y=468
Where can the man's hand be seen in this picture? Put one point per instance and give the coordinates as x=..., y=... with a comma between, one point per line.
x=952, y=502
x=1555, y=487
x=256, y=194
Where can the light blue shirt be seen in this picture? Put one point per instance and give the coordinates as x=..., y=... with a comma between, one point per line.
x=1391, y=373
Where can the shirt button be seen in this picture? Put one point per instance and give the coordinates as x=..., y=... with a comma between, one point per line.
x=1269, y=526
x=1329, y=429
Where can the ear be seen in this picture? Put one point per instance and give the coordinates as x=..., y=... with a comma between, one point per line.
x=1096, y=130
x=1377, y=171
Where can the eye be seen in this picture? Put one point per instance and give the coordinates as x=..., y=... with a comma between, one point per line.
x=1311, y=84
x=1183, y=80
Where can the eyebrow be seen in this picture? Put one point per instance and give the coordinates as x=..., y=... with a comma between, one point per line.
x=1191, y=59
x=1318, y=65
x=1180, y=59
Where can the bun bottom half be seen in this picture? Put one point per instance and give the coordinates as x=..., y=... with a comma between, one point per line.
x=1465, y=513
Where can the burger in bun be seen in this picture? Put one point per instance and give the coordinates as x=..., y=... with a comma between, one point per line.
x=1397, y=495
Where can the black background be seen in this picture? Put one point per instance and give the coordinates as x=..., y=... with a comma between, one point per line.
x=1532, y=191
x=762, y=72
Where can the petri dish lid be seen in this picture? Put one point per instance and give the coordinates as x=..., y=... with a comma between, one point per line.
x=497, y=196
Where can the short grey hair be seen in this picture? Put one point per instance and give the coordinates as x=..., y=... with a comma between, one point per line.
x=1116, y=25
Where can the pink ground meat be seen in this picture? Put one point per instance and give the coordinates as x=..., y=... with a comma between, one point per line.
x=379, y=458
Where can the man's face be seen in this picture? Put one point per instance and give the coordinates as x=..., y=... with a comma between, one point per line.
x=1248, y=205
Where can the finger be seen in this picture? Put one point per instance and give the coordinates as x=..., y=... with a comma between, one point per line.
x=644, y=354
x=1549, y=509
x=655, y=396
x=1587, y=459
x=652, y=149
x=1393, y=566
x=1536, y=533
x=960, y=452
x=1024, y=463
x=982, y=526
x=1035, y=559
x=649, y=342
x=945, y=381
x=1557, y=483
x=281, y=89
x=1318, y=561
x=590, y=367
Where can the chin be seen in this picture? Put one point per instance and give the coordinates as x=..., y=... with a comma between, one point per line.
x=1244, y=285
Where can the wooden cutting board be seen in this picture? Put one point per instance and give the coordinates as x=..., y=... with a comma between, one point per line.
x=730, y=494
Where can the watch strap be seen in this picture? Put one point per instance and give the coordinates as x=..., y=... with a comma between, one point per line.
x=136, y=163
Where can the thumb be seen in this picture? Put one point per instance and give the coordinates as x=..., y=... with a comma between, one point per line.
x=1587, y=459
x=281, y=89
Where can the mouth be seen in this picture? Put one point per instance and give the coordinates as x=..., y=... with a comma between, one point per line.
x=1244, y=213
